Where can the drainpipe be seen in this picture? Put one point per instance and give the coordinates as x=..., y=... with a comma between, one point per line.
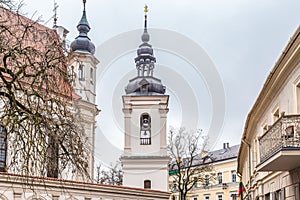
x=249, y=158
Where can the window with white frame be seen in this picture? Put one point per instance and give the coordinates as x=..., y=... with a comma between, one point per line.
x=233, y=175
x=233, y=196
x=219, y=197
x=206, y=197
x=220, y=178
x=279, y=195
x=206, y=180
x=195, y=182
x=92, y=75
x=297, y=191
x=80, y=72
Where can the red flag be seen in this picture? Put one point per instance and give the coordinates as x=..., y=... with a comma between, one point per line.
x=241, y=189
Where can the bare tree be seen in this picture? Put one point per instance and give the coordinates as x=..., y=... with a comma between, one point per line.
x=37, y=108
x=109, y=175
x=187, y=166
x=98, y=174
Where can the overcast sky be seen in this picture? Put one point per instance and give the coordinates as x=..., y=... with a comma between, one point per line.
x=242, y=38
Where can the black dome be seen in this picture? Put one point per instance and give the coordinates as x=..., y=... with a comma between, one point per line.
x=82, y=43
x=145, y=85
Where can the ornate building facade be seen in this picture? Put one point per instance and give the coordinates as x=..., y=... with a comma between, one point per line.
x=269, y=155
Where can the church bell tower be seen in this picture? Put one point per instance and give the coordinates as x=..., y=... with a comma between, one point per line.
x=83, y=65
x=145, y=107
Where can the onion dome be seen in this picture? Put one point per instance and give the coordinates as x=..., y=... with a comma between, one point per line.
x=82, y=43
x=144, y=83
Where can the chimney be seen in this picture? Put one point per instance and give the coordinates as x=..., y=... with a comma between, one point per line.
x=226, y=145
x=204, y=153
x=62, y=33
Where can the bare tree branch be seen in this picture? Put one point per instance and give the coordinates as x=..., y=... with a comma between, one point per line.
x=187, y=165
x=110, y=175
x=44, y=133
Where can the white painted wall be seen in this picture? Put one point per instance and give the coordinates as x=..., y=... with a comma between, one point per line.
x=145, y=162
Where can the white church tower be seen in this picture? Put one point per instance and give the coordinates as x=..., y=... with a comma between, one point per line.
x=83, y=71
x=145, y=107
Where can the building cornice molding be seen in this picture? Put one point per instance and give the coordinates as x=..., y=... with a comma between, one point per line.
x=83, y=56
x=284, y=67
x=61, y=186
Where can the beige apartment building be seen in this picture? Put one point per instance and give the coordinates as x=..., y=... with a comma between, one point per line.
x=221, y=183
x=269, y=156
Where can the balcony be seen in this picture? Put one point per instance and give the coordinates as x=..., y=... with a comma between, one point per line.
x=280, y=145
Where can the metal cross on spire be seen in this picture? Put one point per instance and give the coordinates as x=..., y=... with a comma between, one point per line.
x=146, y=9
x=55, y=13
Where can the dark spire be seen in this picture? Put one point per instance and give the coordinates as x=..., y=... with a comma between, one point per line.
x=55, y=14
x=145, y=83
x=83, y=20
x=82, y=43
x=145, y=59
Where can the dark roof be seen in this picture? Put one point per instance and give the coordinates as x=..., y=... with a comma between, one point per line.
x=225, y=153
x=212, y=157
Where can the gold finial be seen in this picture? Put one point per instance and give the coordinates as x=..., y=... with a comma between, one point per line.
x=146, y=9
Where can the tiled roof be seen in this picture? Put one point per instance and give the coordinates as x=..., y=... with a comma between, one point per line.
x=225, y=153
x=213, y=156
x=39, y=37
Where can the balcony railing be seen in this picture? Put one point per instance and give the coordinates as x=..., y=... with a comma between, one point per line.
x=282, y=135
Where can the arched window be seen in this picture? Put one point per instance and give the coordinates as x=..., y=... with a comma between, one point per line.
x=147, y=184
x=35, y=197
x=92, y=76
x=145, y=129
x=3, y=148
x=80, y=72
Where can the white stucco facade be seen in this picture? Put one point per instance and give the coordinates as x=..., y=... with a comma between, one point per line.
x=145, y=162
x=270, y=149
x=83, y=68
